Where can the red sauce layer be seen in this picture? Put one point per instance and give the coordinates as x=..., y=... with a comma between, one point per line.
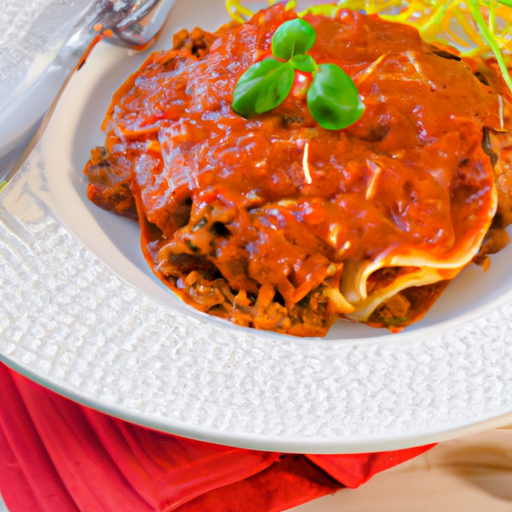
x=247, y=219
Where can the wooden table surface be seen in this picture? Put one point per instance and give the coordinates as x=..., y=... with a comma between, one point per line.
x=470, y=474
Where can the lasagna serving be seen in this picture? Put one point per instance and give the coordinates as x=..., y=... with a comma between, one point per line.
x=275, y=223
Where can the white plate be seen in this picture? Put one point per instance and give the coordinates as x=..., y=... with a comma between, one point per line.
x=82, y=313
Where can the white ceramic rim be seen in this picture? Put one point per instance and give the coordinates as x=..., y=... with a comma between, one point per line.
x=439, y=419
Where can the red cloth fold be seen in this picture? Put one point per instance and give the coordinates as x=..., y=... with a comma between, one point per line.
x=56, y=455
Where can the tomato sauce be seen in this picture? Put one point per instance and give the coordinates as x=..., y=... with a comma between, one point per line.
x=251, y=219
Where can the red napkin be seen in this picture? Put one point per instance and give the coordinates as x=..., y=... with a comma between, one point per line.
x=58, y=456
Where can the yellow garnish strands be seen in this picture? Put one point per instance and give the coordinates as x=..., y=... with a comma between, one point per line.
x=474, y=28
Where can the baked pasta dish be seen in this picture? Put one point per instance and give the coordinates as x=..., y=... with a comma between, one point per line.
x=276, y=223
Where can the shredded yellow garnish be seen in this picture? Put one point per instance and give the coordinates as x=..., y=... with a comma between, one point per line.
x=474, y=28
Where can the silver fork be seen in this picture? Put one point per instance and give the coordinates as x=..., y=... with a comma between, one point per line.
x=130, y=23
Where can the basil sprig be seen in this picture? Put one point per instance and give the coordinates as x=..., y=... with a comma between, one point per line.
x=333, y=99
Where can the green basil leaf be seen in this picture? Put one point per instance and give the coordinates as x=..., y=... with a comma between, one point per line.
x=263, y=87
x=333, y=98
x=304, y=63
x=293, y=38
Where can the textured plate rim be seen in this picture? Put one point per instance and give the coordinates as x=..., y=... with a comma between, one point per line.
x=303, y=443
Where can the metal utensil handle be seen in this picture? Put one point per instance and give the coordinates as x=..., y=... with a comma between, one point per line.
x=130, y=23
